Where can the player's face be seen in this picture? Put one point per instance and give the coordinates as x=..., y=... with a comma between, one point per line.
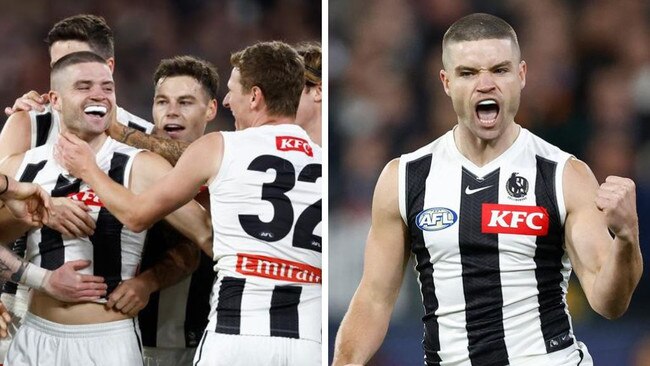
x=63, y=48
x=484, y=80
x=309, y=106
x=237, y=101
x=85, y=98
x=182, y=108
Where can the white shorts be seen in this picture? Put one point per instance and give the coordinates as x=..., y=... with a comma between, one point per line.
x=158, y=356
x=45, y=343
x=17, y=307
x=218, y=349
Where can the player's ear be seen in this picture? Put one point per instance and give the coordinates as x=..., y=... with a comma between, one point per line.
x=257, y=97
x=55, y=101
x=211, y=112
x=111, y=63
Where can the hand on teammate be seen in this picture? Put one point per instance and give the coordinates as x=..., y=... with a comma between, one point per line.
x=66, y=284
x=71, y=218
x=29, y=203
x=130, y=296
x=74, y=154
x=31, y=100
x=616, y=197
x=5, y=321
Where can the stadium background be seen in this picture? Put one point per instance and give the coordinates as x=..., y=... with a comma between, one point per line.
x=588, y=91
x=145, y=32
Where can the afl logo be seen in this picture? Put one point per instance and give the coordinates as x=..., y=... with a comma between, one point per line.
x=517, y=186
x=434, y=219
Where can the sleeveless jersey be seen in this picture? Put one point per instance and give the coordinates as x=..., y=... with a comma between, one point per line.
x=46, y=125
x=266, y=214
x=176, y=316
x=114, y=250
x=488, y=244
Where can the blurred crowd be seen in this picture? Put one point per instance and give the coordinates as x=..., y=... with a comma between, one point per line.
x=587, y=91
x=147, y=31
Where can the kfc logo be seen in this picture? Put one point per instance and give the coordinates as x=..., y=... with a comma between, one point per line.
x=513, y=219
x=290, y=143
x=89, y=198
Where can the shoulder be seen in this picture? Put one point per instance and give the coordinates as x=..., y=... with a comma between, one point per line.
x=579, y=183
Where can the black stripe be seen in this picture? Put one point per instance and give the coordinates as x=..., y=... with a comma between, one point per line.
x=135, y=330
x=198, y=301
x=417, y=172
x=43, y=126
x=31, y=170
x=229, y=305
x=198, y=359
x=148, y=320
x=107, y=241
x=156, y=243
x=51, y=245
x=481, y=273
x=284, y=311
x=137, y=127
x=548, y=260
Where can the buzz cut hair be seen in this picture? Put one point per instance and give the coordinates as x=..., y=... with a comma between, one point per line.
x=73, y=59
x=479, y=26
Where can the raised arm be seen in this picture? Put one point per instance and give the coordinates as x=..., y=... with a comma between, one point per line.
x=169, y=149
x=365, y=324
x=197, y=166
x=608, y=269
x=15, y=137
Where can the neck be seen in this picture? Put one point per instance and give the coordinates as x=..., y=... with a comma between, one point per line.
x=94, y=141
x=480, y=151
x=265, y=119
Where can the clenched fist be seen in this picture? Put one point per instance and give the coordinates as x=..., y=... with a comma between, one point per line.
x=616, y=197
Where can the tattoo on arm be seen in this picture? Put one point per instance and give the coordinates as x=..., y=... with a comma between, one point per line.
x=12, y=267
x=169, y=149
x=178, y=261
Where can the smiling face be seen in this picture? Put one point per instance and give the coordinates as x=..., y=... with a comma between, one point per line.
x=84, y=95
x=484, y=79
x=182, y=108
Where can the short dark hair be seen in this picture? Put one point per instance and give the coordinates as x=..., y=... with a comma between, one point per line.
x=88, y=28
x=275, y=68
x=203, y=71
x=312, y=57
x=73, y=59
x=479, y=26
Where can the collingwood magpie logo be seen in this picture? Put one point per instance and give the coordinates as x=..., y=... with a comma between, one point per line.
x=517, y=187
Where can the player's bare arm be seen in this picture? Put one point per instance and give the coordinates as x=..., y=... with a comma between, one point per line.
x=167, y=148
x=198, y=165
x=608, y=269
x=364, y=326
x=16, y=135
x=178, y=262
x=191, y=220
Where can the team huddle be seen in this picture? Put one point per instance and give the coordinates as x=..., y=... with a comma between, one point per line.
x=151, y=243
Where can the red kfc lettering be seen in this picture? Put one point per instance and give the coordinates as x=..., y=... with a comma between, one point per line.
x=513, y=219
x=290, y=143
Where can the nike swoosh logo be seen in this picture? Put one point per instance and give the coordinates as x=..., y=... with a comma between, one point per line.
x=472, y=191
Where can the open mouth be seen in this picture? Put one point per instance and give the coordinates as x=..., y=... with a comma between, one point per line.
x=96, y=110
x=487, y=111
x=172, y=127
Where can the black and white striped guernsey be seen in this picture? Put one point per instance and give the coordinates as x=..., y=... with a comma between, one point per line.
x=114, y=250
x=488, y=247
x=266, y=216
x=176, y=316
